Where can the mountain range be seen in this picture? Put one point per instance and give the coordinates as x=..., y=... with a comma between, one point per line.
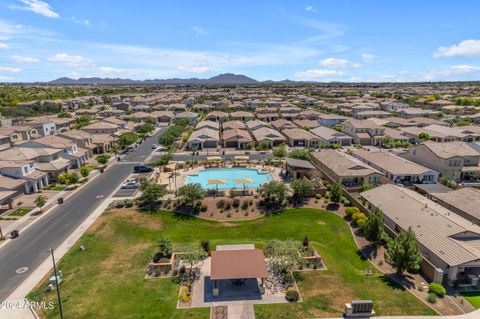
x=226, y=78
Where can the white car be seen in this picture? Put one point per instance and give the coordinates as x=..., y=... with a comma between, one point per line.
x=154, y=146
x=130, y=184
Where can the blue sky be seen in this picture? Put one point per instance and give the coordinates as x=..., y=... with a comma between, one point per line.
x=337, y=40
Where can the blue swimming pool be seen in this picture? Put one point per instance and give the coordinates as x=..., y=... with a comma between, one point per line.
x=229, y=175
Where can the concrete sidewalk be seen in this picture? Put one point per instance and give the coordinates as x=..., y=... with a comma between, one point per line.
x=472, y=315
x=40, y=272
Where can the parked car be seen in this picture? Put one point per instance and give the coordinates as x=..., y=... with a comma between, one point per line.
x=130, y=184
x=142, y=169
x=154, y=146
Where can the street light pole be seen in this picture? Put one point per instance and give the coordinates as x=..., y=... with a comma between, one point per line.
x=56, y=284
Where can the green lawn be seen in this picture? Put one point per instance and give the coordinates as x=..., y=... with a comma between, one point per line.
x=473, y=298
x=20, y=212
x=55, y=187
x=107, y=279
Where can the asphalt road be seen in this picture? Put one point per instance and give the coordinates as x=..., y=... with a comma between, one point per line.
x=30, y=249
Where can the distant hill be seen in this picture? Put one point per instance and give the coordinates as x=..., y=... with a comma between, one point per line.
x=226, y=78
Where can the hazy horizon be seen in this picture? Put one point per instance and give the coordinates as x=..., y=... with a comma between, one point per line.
x=322, y=41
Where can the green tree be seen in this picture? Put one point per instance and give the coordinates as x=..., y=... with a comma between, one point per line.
x=68, y=178
x=151, y=192
x=127, y=139
x=373, y=228
x=301, y=187
x=283, y=256
x=274, y=191
x=191, y=193
x=103, y=159
x=193, y=257
x=301, y=154
x=264, y=145
x=165, y=246
x=84, y=171
x=279, y=151
x=424, y=136
x=403, y=252
x=336, y=193
x=40, y=201
x=145, y=128
x=82, y=121
x=64, y=115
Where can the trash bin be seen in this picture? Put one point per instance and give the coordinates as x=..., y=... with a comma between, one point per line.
x=60, y=200
x=102, y=169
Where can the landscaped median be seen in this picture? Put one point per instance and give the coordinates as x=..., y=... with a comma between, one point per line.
x=107, y=278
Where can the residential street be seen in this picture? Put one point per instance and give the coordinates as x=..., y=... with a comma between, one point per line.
x=30, y=249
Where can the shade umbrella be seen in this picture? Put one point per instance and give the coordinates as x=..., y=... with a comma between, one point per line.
x=243, y=181
x=217, y=182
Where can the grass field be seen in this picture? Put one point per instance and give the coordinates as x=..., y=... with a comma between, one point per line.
x=55, y=187
x=473, y=298
x=20, y=212
x=107, y=279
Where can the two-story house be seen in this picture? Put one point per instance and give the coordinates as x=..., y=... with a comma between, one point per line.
x=25, y=170
x=364, y=132
x=69, y=150
x=455, y=160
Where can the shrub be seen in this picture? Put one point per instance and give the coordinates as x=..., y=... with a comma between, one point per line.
x=245, y=204
x=184, y=295
x=128, y=203
x=229, y=215
x=432, y=298
x=436, y=289
x=205, y=244
x=292, y=295
x=357, y=216
x=120, y=204
x=203, y=208
x=236, y=202
x=318, y=196
x=68, y=178
x=228, y=205
x=221, y=203
x=344, y=201
x=351, y=210
x=103, y=158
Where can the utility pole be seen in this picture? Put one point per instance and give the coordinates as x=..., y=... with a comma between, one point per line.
x=56, y=284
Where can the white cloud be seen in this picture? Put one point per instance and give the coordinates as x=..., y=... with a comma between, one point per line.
x=108, y=70
x=24, y=59
x=317, y=73
x=4, y=38
x=194, y=69
x=368, y=58
x=311, y=8
x=36, y=6
x=339, y=63
x=3, y=45
x=464, y=48
x=456, y=72
x=10, y=69
x=5, y=78
x=71, y=60
x=82, y=21
x=198, y=31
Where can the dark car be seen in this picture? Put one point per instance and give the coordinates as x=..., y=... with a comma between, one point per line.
x=142, y=169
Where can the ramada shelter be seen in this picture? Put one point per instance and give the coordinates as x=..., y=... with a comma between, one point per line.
x=237, y=268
